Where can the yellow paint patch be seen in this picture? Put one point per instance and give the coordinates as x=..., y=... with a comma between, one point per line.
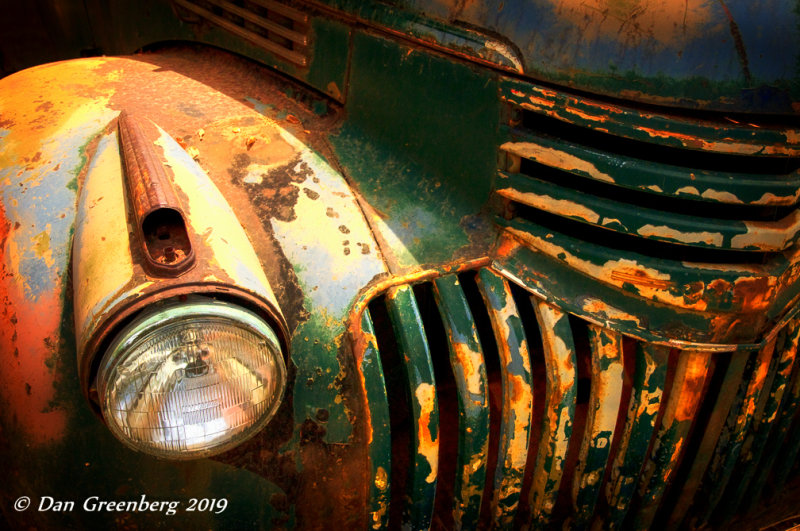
x=102, y=262
x=561, y=207
x=471, y=362
x=428, y=448
x=556, y=158
x=662, y=231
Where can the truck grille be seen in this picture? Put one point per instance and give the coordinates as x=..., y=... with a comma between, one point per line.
x=490, y=406
x=272, y=26
x=673, y=185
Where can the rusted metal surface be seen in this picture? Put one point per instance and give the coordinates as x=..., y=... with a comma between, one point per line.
x=413, y=347
x=160, y=224
x=601, y=421
x=560, y=363
x=679, y=411
x=517, y=409
x=378, y=440
x=640, y=423
x=469, y=372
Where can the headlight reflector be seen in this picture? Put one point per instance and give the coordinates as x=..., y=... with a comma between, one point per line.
x=191, y=379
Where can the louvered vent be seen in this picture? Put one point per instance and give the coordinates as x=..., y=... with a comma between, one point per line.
x=490, y=406
x=272, y=26
x=696, y=188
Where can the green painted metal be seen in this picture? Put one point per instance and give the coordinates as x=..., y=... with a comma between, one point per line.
x=469, y=372
x=626, y=305
x=413, y=348
x=649, y=381
x=517, y=407
x=661, y=225
x=770, y=463
x=559, y=410
x=732, y=437
x=660, y=128
x=601, y=420
x=763, y=423
x=424, y=185
x=682, y=403
x=379, y=440
x=652, y=177
x=725, y=400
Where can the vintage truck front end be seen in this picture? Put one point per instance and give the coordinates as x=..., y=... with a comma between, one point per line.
x=504, y=264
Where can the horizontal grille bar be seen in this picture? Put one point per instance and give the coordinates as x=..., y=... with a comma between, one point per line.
x=666, y=127
x=668, y=179
x=269, y=35
x=618, y=432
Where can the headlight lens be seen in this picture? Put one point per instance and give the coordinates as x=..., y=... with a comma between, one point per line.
x=191, y=379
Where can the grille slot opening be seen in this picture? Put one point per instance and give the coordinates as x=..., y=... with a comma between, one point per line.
x=673, y=205
x=448, y=406
x=400, y=417
x=522, y=299
x=634, y=244
x=701, y=160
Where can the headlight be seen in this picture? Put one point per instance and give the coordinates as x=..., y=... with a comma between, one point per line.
x=191, y=379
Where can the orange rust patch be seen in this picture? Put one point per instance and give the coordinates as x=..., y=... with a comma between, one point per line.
x=639, y=278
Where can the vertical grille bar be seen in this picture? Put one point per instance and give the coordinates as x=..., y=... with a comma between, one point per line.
x=472, y=385
x=604, y=403
x=413, y=349
x=782, y=423
x=645, y=402
x=379, y=438
x=729, y=447
x=726, y=399
x=517, y=404
x=560, y=361
x=762, y=426
x=682, y=405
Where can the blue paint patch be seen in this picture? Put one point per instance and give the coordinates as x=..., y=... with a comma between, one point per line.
x=39, y=199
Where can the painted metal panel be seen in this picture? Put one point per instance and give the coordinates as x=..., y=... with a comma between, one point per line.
x=559, y=408
x=517, y=404
x=413, y=348
x=469, y=371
